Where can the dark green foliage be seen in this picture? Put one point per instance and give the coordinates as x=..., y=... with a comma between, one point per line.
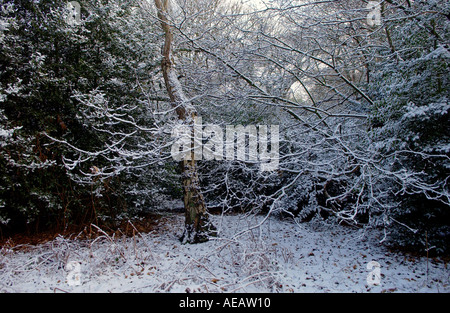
x=411, y=128
x=50, y=70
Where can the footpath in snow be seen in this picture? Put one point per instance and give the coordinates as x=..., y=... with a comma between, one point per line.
x=277, y=256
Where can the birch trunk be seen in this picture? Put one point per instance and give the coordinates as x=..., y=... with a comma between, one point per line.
x=197, y=225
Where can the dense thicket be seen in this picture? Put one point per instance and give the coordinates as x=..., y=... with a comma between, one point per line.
x=410, y=123
x=362, y=106
x=69, y=92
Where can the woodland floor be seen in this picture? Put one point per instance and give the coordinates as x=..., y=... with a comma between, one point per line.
x=247, y=256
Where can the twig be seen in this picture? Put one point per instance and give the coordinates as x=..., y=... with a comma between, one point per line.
x=56, y=288
x=202, y=265
x=110, y=239
x=252, y=282
x=142, y=237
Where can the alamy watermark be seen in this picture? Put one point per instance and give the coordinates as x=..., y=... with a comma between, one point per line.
x=374, y=277
x=74, y=16
x=243, y=143
x=74, y=273
x=374, y=16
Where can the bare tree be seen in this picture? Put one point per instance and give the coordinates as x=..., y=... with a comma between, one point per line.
x=197, y=225
x=311, y=64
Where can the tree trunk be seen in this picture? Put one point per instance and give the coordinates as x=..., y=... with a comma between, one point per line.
x=197, y=225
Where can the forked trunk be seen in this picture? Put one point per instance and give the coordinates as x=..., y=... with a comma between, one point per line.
x=197, y=225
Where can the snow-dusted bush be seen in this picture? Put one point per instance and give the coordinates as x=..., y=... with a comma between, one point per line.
x=76, y=113
x=411, y=126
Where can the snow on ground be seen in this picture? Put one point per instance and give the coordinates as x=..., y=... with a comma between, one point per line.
x=278, y=256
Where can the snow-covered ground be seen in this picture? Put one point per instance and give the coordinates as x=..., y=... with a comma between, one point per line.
x=277, y=256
